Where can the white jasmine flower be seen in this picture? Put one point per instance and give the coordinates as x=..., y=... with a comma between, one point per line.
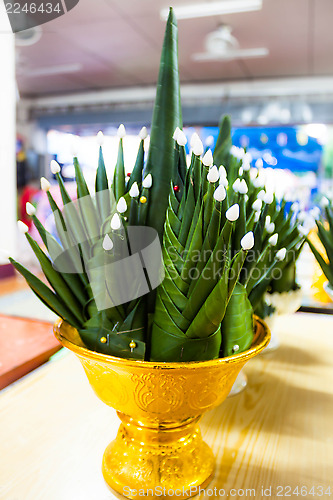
x=55, y=167
x=121, y=132
x=213, y=174
x=194, y=139
x=253, y=173
x=222, y=171
x=30, y=209
x=272, y=240
x=236, y=185
x=242, y=187
x=122, y=205
x=107, y=243
x=256, y=205
x=143, y=134
x=181, y=138
x=247, y=241
x=220, y=193
x=209, y=141
x=23, y=228
x=303, y=231
x=324, y=202
x=268, y=198
x=232, y=213
x=270, y=228
x=302, y=215
x=207, y=159
x=241, y=153
x=134, y=191
x=258, y=182
x=147, y=181
x=44, y=184
x=196, y=144
x=115, y=222
x=100, y=138
x=246, y=165
x=175, y=134
x=281, y=254
x=315, y=213
x=247, y=158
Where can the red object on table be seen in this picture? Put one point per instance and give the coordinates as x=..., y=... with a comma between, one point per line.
x=25, y=344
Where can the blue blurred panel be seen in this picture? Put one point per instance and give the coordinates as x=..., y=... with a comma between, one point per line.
x=291, y=148
x=278, y=147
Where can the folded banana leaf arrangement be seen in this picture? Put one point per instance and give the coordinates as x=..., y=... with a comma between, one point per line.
x=324, y=223
x=284, y=225
x=169, y=263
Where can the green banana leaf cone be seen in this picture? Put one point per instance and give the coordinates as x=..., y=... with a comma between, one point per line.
x=199, y=304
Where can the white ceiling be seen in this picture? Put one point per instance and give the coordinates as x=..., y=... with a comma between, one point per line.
x=118, y=44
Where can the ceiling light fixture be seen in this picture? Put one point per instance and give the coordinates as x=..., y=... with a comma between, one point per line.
x=213, y=8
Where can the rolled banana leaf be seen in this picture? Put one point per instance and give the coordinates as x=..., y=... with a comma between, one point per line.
x=125, y=338
x=223, y=143
x=167, y=116
x=118, y=184
x=237, y=324
x=167, y=347
x=287, y=281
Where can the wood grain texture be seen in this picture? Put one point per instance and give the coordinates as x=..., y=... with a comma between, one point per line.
x=279, y=431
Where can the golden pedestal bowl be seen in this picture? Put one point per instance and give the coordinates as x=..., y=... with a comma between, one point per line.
x=159, y=447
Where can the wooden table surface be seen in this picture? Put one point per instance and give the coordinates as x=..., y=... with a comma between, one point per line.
x=277, y=433
x=25, y=344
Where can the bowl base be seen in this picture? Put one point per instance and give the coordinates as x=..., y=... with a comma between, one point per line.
x=160, y=462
